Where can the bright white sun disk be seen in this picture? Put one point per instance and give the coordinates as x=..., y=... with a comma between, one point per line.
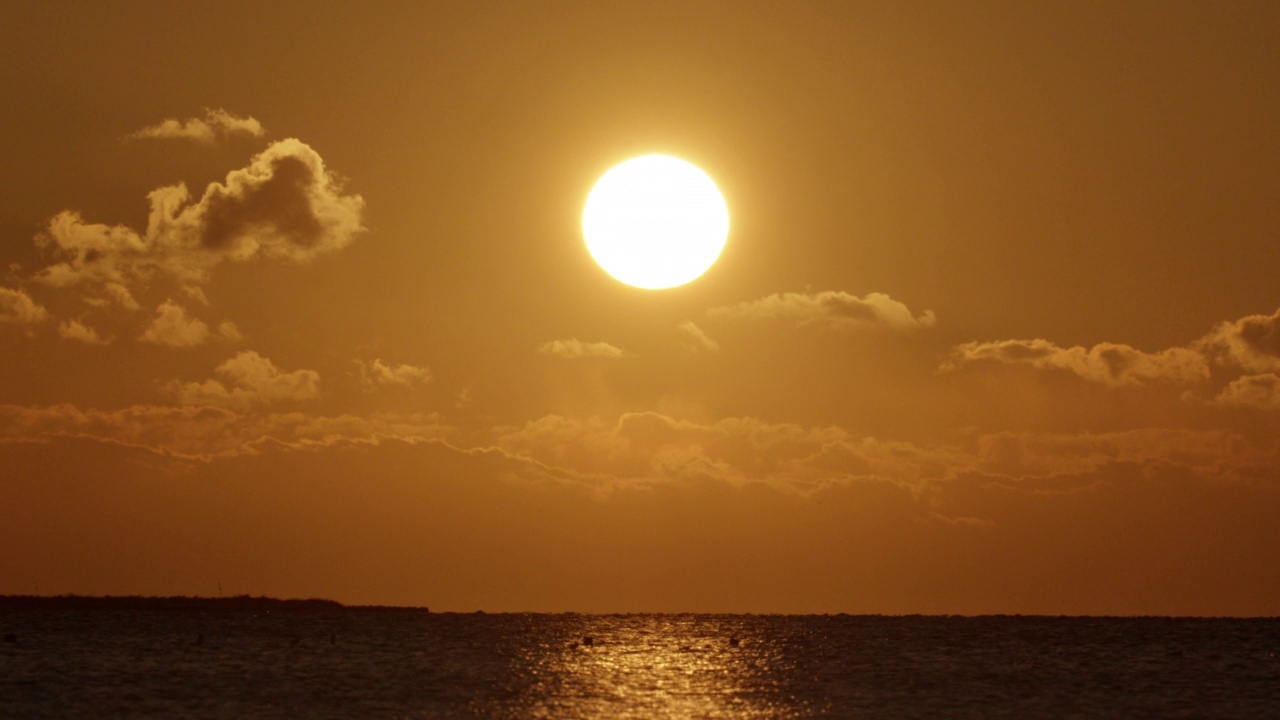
x=655, y=222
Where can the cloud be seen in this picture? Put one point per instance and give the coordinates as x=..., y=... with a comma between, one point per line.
x=215, y=124
x=1256, y=391
x=832, y=309
x=18, y=308
x=229, y=332
x=205, y=431
x=1213, y=454
x=1252, y=342
x=1126, y=541
x=285, y=205
x=1107, y=363
x=121, y=295
x=195, y=293
x=575, y=349
x=647, y=448
x=171, y=327
x=696, y=338
x=378, y=374
x=75, y=330
x=248, y=379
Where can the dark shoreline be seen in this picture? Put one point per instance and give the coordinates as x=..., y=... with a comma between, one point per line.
x=235, y=603
x=262, y=603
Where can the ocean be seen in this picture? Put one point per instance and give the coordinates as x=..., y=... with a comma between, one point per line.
x=329, y=662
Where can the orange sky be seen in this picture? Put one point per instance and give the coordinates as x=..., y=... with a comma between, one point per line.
x=295, y=300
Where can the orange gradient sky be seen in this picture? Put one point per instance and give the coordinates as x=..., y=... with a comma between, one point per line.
x=295, y=301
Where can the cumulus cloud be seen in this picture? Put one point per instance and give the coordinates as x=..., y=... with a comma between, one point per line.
x=575, y=349
x=1252, y=342
x=75, y=330
x=832, y=308
x=248, y=379
x=1257, y=391
x=285, y=205
x=171, y=327
x=697, y=339
x=215, y=124
x=18, y=308
x=378, y=374
x=1107, y=363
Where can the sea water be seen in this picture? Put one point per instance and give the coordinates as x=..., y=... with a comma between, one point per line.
x=400, y=663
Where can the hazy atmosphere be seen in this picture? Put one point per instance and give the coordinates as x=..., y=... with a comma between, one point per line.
x=295, y=301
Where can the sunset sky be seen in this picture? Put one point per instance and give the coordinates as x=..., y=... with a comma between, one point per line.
x=295, y=301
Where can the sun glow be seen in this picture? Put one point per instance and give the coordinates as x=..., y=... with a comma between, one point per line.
x=655, y=222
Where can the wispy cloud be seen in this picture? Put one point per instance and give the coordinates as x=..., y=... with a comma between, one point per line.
x=1107, y=363
x=649, y=447
x=121, y=296
x=697, y=339
x=214, y=125
x=575, y=349
x=378, y=374
x=832, y=308
x=205, y=431
x=195, y=293
x=17, y=307
x=1251, y=343
x=1255, y=391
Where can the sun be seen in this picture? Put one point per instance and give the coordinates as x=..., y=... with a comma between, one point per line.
x=655, y=222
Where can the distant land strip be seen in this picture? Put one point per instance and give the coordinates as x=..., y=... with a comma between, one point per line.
x=138, y=602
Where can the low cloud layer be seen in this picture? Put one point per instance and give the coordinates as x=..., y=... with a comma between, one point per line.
x=205, y=431
x=754, y=516
x=575, y=349
x=285, y=205
x=832, y=309
x=1123, y=539
x=643, y=448
x=214, y=125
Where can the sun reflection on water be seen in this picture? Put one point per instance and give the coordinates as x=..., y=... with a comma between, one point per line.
x=657, y=667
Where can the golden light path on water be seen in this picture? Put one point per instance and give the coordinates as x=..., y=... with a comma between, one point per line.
x=676, y=666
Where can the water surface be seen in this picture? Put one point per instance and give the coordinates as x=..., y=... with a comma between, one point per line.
x=380, y=662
